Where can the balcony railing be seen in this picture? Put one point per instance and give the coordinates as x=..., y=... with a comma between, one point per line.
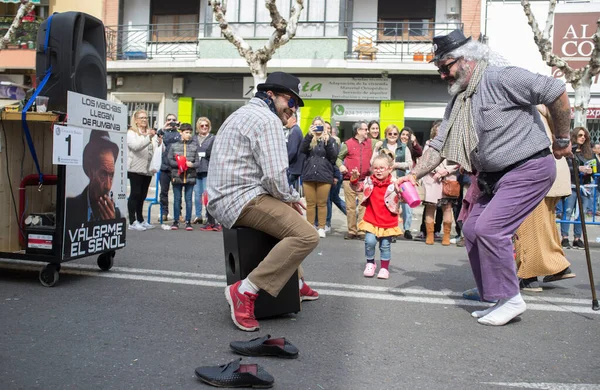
x=26, y=36
x=380, y=41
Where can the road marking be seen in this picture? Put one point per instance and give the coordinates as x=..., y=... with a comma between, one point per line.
x=547, y=386
x=441, y=297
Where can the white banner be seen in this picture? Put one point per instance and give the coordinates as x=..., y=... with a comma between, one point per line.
x=94, y=113
x=343, y=88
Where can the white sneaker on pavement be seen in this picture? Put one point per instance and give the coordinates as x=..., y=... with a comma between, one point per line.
x=321, y=233
x=136, y=226
x=327, y=229
x=147, y=225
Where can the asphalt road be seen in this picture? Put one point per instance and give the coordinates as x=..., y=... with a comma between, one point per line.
x=160, y=312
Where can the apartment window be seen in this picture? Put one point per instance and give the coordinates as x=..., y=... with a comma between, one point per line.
x=405, y=21
x=175, y=20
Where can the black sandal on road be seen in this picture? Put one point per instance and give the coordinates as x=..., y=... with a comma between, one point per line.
x=235, y=374
x=265, y=346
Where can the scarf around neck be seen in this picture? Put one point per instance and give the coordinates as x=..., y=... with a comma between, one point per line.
x=461, y=137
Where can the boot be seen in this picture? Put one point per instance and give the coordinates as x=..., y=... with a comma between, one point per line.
x=429, y=227
x=447, y=230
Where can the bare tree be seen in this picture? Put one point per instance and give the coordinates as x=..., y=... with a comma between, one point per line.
x=257, y=60
x=580, y=79
x=24, y=9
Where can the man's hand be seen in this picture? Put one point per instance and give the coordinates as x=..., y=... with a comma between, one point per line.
x=343, y=169
x=562, y=152
x=410, y=178
x=106, y=207
x=189, y=164
x=298, y=206
x=355, y=174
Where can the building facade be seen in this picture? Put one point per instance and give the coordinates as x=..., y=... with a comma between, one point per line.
x=356, y=59
x=574, y=25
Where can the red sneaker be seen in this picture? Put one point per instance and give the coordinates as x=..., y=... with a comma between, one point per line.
x=217, y=227
x=242, y=307
x=207, y=228
x=308, y=294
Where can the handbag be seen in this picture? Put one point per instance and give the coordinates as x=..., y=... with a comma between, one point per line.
x=450, y=188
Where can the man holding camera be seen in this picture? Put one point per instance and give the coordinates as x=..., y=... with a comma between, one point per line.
x=170, y=135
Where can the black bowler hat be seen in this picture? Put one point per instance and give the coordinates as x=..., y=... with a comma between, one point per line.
x=444, y=44
x=282, y=82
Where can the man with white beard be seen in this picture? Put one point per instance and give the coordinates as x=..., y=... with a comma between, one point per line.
x=492, y=127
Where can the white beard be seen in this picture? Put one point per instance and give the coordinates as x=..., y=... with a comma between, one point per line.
x=461, y=82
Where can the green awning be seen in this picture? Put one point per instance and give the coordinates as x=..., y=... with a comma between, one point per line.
x=18, y=1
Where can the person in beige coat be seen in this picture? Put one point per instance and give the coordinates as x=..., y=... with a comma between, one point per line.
x=537, y=243
x=141, y=144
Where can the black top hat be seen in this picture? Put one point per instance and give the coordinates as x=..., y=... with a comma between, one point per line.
x=444, y=44
x=282, y=82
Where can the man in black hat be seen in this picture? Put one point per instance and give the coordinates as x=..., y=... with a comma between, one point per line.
x=492, y=127
x=248, y=186
x=95, y=203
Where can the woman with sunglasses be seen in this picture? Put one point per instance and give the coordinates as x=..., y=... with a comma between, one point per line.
x=582, y=151
x=318, y=173
x=141, y=143
x=204, y=140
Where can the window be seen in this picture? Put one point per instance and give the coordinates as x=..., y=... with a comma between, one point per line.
x=404, y=21
x=175, y=20
x=215, y=110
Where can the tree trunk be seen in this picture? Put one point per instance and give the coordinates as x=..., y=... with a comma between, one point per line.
x=582, y=98
x=259, y=72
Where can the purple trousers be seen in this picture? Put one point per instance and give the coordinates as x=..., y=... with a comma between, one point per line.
x=493, y=221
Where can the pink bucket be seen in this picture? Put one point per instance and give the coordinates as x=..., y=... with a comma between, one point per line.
x=410, y=194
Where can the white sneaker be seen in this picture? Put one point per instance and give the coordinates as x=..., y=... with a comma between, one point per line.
x=136, y=226
x=327, y=229
x=146, y=225
x=453, y=240
x=321, y=233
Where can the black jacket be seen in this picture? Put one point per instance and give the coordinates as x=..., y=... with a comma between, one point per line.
x=320, y=160
x=190, y=150
x=169, y=137
x=204, y=147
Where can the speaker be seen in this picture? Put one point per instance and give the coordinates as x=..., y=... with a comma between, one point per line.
x=77, y=54
x=245, y=248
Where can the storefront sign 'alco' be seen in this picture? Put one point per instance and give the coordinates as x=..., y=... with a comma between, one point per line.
x=342, y=88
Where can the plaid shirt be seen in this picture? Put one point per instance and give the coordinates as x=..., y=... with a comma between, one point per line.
x=508, y=125
x=248, y=158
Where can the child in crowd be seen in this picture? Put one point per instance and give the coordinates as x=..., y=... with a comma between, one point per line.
x=380, y=221
x=183, y=159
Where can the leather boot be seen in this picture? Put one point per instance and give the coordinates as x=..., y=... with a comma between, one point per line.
x=429, y=227
x=447, y=230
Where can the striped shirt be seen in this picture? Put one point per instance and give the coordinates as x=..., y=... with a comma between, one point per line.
x=248, y=158
x=508, y=125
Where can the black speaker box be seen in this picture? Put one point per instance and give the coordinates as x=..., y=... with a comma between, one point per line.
x=77, y=53
x=245, y=248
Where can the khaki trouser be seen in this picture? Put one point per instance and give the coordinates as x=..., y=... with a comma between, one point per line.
x=316, y=195
x=298, y=239
x=350, y=196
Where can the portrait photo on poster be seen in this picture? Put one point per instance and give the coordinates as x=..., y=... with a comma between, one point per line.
x=96, y=196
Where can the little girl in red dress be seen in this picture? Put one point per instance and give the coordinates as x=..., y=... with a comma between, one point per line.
x=380, y=221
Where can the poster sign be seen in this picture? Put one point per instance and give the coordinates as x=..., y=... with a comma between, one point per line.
x=90, y=112
x=96, y=189
x=352, y=111
x=67, y=145
x=343, y=88
x=96, y=196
